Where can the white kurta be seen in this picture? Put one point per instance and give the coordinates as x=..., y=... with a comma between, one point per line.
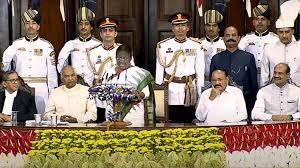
x=189, y=63
x=130, y=78
x=272, y=99
x=228, y=107
x=34, y=60
x=77, y=49
x=280, y=53
x=210, y=49
x=75, y=102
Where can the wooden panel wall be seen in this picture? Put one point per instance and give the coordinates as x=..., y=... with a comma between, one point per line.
x=52, y=26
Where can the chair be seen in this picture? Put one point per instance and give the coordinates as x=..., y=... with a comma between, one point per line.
x=24, y=86
x=161, y=103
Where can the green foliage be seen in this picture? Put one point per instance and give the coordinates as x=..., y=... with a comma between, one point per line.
x=60, y=142
x=126, y=160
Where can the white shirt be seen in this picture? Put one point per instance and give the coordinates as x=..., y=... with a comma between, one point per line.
x=9, y=101
x=189, y=63
x=210, y=49
x=281, y=53
x=78, y=51
x=75, y=102
x=272, y=99
x=229, y=106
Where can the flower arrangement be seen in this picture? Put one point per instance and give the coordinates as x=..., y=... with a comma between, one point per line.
x=246, y=138
x=268, y=157
x=97, y=142
x=116, y=94
x=16, y=141
x=126, y=160
x=12, y=160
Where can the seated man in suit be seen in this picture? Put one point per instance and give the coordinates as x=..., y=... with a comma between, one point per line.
x=71, y=101
x=14, y=99
x=221, y=103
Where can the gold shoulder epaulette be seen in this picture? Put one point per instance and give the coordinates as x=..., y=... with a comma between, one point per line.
x=195, y=40
x=51, y=46
x=162, y=41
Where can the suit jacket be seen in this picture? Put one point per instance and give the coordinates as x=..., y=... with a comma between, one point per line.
x=23, y=102
x=241, y=67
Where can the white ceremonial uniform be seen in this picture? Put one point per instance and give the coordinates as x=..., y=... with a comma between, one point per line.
x=230, y=106
x=211, y=48
x=97, y=57
x=98, y=54
x=281, y=53
x=189, y=63
x=75, y=102
x=129, y=78
x=35, y=63
x=255, y=43
x=272, y=99
x=77, y=48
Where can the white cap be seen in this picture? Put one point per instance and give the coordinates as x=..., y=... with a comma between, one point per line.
x=283, y=23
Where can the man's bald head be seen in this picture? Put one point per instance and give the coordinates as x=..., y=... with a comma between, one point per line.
x=68, y=76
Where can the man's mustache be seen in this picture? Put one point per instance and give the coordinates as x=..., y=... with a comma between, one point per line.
x=231, y=40
x=217, y=85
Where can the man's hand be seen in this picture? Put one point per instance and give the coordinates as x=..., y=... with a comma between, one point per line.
x=282, y=117
x=68, y=118
x=89, y=121
x=214, y=93
x=4, y=118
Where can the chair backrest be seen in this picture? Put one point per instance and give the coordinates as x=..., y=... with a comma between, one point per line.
x=24, y=86
x=161, y=103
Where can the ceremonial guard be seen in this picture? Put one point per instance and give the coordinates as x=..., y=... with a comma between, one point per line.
x=102, y=57
x=212, y=43
x=33, y=58
x=77, y=48
x=180, y=64
x=255, y=43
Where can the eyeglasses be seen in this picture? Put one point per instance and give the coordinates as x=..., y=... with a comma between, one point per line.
x=13, y=80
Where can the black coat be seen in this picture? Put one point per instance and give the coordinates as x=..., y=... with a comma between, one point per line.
x=23, y=102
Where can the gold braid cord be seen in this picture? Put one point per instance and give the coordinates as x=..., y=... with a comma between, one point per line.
x=101, y=68
x=175, y=57
x=89, y=57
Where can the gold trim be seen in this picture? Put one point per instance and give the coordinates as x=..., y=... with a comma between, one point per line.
x=34, y=79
